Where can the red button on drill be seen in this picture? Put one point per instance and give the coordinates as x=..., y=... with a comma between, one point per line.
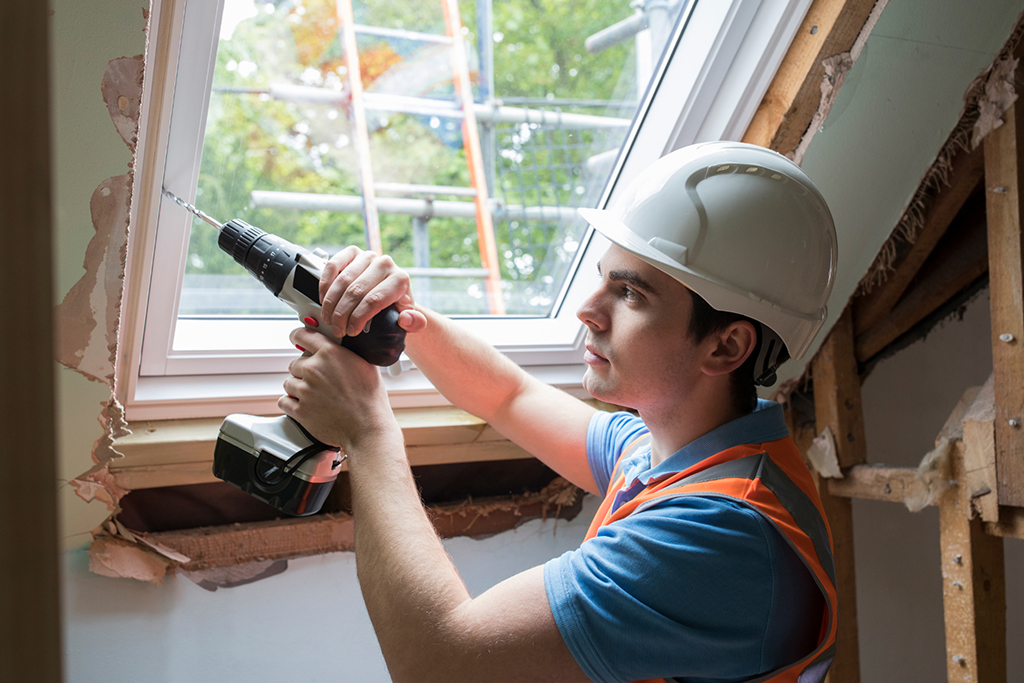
x=312, y=322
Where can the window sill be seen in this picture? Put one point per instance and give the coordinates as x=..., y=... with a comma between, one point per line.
x=180, y=452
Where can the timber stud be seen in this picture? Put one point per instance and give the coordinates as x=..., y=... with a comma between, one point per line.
x=1006, y=337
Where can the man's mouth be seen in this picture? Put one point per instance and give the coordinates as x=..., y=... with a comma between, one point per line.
x=592, y=357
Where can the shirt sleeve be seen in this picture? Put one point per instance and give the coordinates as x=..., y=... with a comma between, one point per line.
x=607, y=435
x=681, y=589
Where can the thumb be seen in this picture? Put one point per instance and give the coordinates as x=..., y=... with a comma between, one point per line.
x=412, y=321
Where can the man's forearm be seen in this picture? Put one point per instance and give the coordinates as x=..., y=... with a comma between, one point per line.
x=409, y=584
x=474, y=376
x=428, y=626
x=467, y=371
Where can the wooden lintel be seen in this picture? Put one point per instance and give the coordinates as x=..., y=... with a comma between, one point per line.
x=960, y=261
x=829, y=28
x=837, y=405
x=1003, y=187
x=967, y=170
x=973, y=589
x=873, y=482
x=236, y=544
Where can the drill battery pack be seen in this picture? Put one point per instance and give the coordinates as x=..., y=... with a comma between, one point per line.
x=276, y=461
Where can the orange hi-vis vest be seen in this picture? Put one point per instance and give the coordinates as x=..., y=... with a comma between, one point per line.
x=773, y=480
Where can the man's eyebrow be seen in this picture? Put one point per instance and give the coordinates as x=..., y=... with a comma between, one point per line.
x=630, y=277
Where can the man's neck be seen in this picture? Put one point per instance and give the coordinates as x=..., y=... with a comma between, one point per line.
x=677, y=426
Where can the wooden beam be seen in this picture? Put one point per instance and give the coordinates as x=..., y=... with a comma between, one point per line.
x=829, y=28
x=973, y=588
x=959, y=261
x=968, y=169
x=837, y=404
x=1003, y=185
x=30, y=634
x=837, y=393
x=874, y=482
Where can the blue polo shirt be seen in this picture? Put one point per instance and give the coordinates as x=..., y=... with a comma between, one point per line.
x=696, y=588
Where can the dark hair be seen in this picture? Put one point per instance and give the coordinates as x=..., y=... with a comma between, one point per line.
x=706, y=321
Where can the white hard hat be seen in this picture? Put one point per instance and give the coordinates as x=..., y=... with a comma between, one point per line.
x=740, y=225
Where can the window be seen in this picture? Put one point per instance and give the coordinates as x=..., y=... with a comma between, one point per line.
x=246, y=114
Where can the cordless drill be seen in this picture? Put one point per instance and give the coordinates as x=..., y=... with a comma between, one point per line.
x=274, y=458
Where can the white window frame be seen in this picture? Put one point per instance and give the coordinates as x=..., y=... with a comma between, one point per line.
x=707, y=86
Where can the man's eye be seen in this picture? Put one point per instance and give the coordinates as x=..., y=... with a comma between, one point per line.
x=629, y=294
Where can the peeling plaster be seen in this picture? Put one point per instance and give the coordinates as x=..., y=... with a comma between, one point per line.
x=836, y=68
x=118, y=558
x=998, y=95
x=87, y=323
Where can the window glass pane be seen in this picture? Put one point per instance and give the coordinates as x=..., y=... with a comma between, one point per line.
x=551, y=117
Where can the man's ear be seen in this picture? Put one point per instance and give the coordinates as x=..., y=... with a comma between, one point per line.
x=729, y=348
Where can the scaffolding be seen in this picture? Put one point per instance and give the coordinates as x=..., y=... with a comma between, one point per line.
x=530, y=166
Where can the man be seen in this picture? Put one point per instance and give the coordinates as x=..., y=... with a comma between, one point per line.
x=710, y=558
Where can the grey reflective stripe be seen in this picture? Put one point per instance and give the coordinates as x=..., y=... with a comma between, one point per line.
x=796, y=502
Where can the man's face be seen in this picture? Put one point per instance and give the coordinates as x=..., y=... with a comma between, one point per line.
x=639, y=353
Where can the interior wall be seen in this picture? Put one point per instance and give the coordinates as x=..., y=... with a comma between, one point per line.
x=308, y=623
x=906, y=400
x=84, y=36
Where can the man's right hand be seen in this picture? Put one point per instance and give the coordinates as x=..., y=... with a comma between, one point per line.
x=356, y=285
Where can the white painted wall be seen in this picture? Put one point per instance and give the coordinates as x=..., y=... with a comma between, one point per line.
x=307, y=624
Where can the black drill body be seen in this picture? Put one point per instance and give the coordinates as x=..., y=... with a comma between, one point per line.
x=276, y=262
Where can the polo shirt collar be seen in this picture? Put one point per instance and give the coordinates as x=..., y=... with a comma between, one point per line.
x=766, y=423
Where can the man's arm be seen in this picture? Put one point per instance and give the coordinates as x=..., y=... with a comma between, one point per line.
x=467, y=371
x=474, y=376
x=428, y=626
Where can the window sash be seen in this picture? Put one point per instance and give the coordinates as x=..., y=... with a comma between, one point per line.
x=706, y=86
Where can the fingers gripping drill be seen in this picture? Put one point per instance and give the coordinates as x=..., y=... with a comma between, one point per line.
x=275, y=459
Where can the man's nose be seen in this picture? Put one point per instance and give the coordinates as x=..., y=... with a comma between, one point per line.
x=592, y=314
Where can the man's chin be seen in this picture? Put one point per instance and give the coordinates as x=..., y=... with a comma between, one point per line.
x=597, y=388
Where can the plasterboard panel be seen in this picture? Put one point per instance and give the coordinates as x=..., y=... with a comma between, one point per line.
x=891, y=117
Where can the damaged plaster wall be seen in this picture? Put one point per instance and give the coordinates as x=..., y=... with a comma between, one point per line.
x=90, y=153
x=307, y=623
x=896, y=107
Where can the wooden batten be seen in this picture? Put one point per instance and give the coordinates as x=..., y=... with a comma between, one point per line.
x=874, y=482
x=1003, y=186
x=973, y=588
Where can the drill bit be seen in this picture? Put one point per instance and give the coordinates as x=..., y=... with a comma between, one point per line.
x=185, y=205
